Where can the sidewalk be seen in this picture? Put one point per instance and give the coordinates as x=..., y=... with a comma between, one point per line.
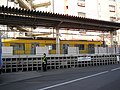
x=6, y=78
x=17, y=76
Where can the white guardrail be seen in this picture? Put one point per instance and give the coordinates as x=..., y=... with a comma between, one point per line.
x=33, y=62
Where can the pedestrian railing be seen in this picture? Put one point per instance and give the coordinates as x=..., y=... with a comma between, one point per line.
x=31, y=63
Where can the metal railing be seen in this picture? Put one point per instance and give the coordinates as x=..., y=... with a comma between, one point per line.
x=32, y=63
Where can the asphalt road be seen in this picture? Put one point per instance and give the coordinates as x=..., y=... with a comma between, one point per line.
x=86, y=78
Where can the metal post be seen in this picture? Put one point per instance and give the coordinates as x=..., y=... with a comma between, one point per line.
x=57, y=38
x=57, y=41
x=111, y=38
x=117, y=38
x=53, y=5
x=53, y=33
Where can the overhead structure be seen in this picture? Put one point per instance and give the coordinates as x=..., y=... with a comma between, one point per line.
x=41, y=34
x=24, y=4
x=44, y=4
x=29, y=5
x=20, y=17
x=51, y=20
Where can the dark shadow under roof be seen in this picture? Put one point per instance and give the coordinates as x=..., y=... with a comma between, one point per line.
x=21, y=17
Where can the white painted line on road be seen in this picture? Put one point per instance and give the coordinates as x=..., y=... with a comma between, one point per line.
x=60, y=84
x=115, y=69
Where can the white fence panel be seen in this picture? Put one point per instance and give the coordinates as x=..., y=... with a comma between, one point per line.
x=7, y=51
x=42, y=50
x=73, y=50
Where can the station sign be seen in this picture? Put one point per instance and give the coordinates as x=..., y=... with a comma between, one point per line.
x=86, y=58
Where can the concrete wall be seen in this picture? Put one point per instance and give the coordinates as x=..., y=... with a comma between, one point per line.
x=107, y=50
x=73, y=50
x=42, y=50
x=7, y=51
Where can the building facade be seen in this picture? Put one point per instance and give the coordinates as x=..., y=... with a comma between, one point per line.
x=97, y=9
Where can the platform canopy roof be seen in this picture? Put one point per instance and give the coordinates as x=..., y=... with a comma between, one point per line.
x=21, y=17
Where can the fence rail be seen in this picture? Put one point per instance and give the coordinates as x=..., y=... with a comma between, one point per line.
x=31, y=63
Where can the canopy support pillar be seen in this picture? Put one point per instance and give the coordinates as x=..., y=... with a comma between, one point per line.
x=58, y=39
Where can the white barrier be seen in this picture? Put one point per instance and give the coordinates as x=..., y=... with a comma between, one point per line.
x=41, y=50
x=31, y=63
x=7, y=51
x=73, y=50
x=107, y=50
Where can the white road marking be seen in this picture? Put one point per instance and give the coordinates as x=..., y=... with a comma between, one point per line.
x=60, y=84
x=115, y=69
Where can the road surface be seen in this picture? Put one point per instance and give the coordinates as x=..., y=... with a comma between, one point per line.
x=86, y=78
